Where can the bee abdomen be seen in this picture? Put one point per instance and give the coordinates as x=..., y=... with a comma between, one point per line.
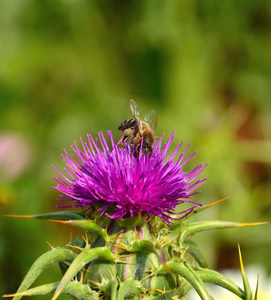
x=127, y=124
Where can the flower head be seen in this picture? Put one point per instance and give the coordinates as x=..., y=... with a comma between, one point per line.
x=120, y=185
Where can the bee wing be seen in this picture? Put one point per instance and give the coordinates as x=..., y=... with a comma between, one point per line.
x=151, y=119
x=136, y=111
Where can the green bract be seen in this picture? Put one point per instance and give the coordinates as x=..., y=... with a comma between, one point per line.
x=132, y=258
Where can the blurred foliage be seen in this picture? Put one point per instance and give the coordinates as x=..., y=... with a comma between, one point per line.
x=70, y=67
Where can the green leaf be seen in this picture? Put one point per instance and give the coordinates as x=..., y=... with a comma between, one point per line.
x=163, y=282
x=200, y=209
x=168, y=295
x=60, y=215
x=186, y=271
x=133, y=221
x=247, y=289
x=257, y=288
x=39, y=290
x=86, y=256
x=216, y=278
x=193, y=228
x=80, y=291
x=196, y=252
x=129, y=289
x=114, y=288
x=76, y=289
x=47, y=259
x=87, y=225
x=142, y=246
x=108, y=287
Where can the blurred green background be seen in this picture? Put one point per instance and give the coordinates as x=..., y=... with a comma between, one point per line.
x=69, y=67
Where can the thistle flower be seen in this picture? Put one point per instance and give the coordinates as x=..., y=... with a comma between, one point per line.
x=120, y=185
x=128, y=259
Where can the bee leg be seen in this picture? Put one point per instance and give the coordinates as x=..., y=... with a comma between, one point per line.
x=125, y=139
x=147, y=150
x=135, y=150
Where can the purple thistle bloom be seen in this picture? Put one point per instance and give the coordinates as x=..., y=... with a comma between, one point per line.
x=121, y=185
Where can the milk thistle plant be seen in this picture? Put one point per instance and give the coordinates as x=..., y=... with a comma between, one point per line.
x=136, y=245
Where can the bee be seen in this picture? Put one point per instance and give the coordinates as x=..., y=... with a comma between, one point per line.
x=129, y=128
x=141, y=133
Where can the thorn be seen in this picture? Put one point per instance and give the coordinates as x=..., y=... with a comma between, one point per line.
x=124, y=262
x=12, y=295
x=158, y=290
x=167, y=242
x=122, y=246
x=162, y=239
x=75, y=247
x=70, y=236
x=82, y=275
x=218, y=201
x=241, y=261
x=184, y=252
x=161, y=255
x=146, y=277
x=59, y=221
x=94, y=282
x=101, y=274
x=85, y=238
x=20, y=216
x=136, y=269
x=110, y=273
x=126, y=255
x=252, y=224
x=135, y=233
x=257, y=288
x=50, y=245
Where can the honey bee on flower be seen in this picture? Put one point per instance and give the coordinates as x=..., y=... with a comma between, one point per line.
x=141, y=133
